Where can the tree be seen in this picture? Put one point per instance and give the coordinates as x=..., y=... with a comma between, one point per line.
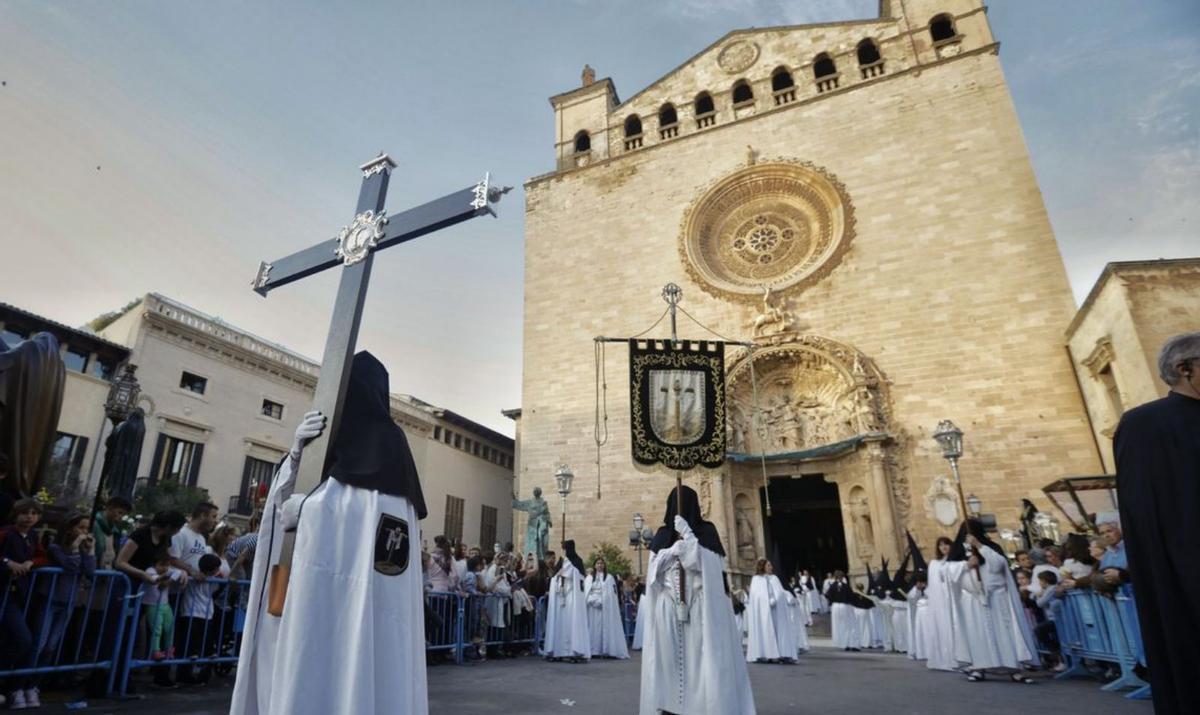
x=614, y=559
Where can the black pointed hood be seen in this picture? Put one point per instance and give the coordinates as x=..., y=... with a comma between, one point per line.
x=705, y=532
x=371, y=451
x=920, y=565
x=571, y=555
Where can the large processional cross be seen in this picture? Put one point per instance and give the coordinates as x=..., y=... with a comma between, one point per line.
x=354, y=249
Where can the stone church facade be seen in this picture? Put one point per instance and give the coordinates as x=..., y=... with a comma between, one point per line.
x=858, y=200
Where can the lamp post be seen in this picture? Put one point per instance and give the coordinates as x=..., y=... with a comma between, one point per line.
x=951, y=440
x=974, y=505
x=563, y=477
x=123, y=395
x=639, y=538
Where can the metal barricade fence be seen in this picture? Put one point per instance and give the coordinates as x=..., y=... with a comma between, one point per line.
x=444, y=623
x=491, y=620
x=1133, y=635
x=199, y=624
x=1090, y=627
x=74, y=622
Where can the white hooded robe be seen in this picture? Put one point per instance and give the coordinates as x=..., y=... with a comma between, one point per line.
x=566, y=616
x=762, y=639
x=604, y=618
x=947, y=645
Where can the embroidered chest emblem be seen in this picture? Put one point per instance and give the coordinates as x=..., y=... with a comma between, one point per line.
x=391, y=545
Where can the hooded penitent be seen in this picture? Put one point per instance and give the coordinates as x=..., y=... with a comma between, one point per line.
x=571, y=555
x=371, y=451
x=32, y=377
x=705, y=532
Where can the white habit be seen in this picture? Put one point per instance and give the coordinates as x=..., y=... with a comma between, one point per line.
x=252, y=688
x=604, y=617
x=351, y=639
x=947, y=645
x=692, y=662
x=920, y=630
x=997, y=632
x=762, y=639
x=639, y=628
x=566, y=616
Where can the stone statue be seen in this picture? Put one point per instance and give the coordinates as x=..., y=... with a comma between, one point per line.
x=32, y=378
x=864, y=535
x=588, y=77
x=774, y=319
x=745, y=535
x=537, y=529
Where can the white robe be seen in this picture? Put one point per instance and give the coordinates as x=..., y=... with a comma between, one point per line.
x=566, y=616
x=947, y=645
x=879, y=618
x=813, y=599
x=351, y=639
x=920, y=629
x=604, y=618
x=639, y=627
x=695, y=666
x=252, y=688
x=762, y=638
x=997, y=632
x=801, y=618
x=862, y=622
x=898, y=633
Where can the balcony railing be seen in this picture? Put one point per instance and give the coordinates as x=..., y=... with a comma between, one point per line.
x=826, y=83
x=872, y=70
x=669, y=132
x=706, y=120
x=785, y=96
x=633, y=142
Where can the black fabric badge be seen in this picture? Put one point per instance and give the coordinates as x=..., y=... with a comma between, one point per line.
x=391, y=545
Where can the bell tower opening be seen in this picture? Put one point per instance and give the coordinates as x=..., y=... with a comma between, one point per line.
x=805, y=528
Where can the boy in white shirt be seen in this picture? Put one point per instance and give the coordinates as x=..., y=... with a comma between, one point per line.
x=160, y=618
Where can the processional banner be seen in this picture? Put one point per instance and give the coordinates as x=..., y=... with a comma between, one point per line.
x=677, y=402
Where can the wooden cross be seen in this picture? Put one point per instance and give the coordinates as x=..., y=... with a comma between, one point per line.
x=354, y=249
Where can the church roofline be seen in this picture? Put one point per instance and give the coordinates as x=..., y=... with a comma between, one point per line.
x=585, y=89
x=1114, y=267
x=749, y=31
x=81, y=336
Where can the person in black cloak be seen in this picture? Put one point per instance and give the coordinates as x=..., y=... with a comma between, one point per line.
x=32, y=377
x=1157, y=450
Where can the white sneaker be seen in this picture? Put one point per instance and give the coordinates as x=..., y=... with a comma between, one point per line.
x=16, y=700
x=31, y=698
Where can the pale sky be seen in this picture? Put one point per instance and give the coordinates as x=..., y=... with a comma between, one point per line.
x=171, y=146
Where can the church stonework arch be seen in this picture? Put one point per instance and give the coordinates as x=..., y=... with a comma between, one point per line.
x=823, y=407
x=783, y=224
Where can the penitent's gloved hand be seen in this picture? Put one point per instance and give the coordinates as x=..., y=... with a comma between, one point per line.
x=682, y=527
x=310, y=428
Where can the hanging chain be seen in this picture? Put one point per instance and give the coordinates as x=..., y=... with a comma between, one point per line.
x=601, y=425
x=763, y=435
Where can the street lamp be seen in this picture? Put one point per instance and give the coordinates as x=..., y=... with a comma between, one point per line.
x=123, y=395
x=563, y=477
x=951, y=440
x=639, y=538
x=974, y=505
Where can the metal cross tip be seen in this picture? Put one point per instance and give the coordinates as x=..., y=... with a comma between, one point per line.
x=495, y=192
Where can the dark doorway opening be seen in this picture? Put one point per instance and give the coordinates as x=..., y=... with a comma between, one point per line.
x=804, y=530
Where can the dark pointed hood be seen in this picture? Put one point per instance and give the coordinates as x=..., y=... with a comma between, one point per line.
x=920, y=565
x=371, y=451
x=705, y=532
x=976, y=529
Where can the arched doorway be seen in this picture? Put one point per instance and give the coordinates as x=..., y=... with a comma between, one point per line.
x=805, y=529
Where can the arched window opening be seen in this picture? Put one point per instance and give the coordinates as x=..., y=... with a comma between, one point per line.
x=633, y=132
x=870, y=62
x=742, y=92
x=782, y=86
x=706, y=111
x=668, y=122
x=583, y=143
x=825, y=72
x=941, y=28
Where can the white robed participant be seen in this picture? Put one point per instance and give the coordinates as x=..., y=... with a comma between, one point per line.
x=252, y=688
x=762, y=637
x=811, y=595
x=604, y=614
x=639, y=626
x=843, y=621
x=997, y=633
x=921, y=636
x=947, y=646
x=351, y=635
x=566, y=612
x=692, y=662
x=740, y=598
x=896, y=604
x=801, y=619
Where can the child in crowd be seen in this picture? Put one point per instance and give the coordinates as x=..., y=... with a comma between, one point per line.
x=198, y=637
x=1048, y=601
x=160, y=618
x=18, y=549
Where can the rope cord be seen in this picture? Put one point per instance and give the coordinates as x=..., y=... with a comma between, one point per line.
x=702, y=325
x=764, y=437
x=601, y=405
x=652, y=327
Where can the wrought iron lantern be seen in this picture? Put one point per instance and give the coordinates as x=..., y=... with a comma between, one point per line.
x=123, y=395
x=563, y=477
x=950, y=438
x=974, y=505
x=1081, y=498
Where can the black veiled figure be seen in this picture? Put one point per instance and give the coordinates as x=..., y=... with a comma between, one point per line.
x=32, y=376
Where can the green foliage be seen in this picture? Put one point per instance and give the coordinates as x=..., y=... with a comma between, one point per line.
x=614, y=559
x=102, y=321
x=168, y=496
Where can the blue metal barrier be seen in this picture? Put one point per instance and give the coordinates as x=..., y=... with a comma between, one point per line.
x=1090, y=627
x=205, y=628
x=76, y=622
x=491, y=621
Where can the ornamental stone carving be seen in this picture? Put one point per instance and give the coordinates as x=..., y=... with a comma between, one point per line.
x=737, y=56
x=811, y=392
x=776, y=224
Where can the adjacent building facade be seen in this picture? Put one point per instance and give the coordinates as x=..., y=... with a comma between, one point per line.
x=858, y=200
x=222, y=405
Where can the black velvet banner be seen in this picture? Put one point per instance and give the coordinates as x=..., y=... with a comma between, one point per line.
x=677, y=402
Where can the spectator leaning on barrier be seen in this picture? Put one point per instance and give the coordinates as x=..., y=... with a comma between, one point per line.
x=108, y=527
x=73, y=552
x=136, y=559
x=18, y=551
x=1157, y=452
x=197, y=635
